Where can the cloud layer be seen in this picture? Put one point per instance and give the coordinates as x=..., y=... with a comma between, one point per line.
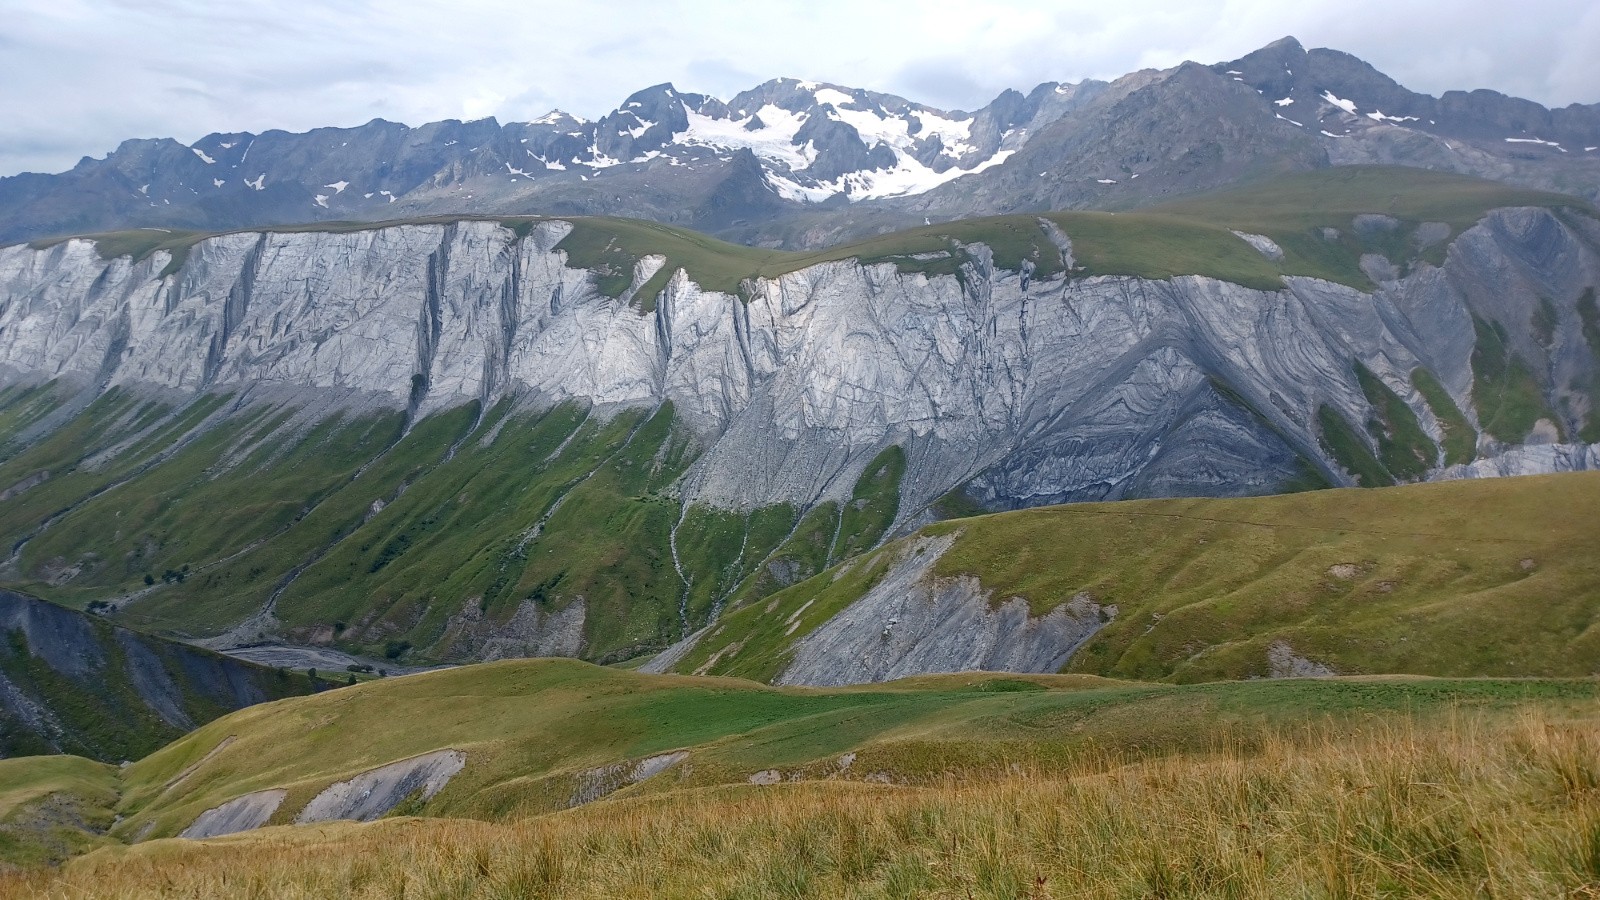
x=82, y=75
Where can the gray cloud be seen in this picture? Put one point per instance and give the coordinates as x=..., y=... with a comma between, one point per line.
x=82, y=75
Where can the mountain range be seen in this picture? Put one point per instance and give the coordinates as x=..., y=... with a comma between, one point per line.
x=775, y=165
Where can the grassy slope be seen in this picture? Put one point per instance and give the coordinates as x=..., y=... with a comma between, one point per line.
x=1475, y=577
x=53, y=807
x=103, y=715
x=1457, y=811
x=1293, y=210
x=530, y=727
x=216, y=520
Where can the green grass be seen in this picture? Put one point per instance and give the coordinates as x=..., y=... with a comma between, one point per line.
x=1349, y=449
x=373, y=541
x=1494, y=577
x=1404, y=449
x=102, y=713
x=531, y=727
x=1589, y=316
x=1509, y=400
x=1293, y=210
x=53, y=808
x=1460, y=440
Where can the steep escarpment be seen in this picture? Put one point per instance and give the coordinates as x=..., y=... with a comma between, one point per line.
x=71, y=683
x=478, y=439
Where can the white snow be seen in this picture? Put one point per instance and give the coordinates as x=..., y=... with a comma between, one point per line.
x=1590, y=149
x=202, y=154
x=1233, y=72
x=907, y=177
x=322, y=200
x=1290, y=121
x=367, y=196
x=229, y=146
x=643, y=127
x=338, y=186
x=1106, y=180
x=218, y=182
x=774, y=143
x=515, y=171
x=829, y=95
x=1536, y=141
x=260, y=182
x=1378, y=116
x=1284, y=102
x=1331, y=134
x=387, y=194
x=145, y=190
x=1348, y=106
x=1062, y=89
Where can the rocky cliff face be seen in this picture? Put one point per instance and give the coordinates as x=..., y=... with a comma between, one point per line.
x=1000, y=388
x=1037, y=390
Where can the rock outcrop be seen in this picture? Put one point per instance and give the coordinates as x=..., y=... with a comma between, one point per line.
x=913, y=623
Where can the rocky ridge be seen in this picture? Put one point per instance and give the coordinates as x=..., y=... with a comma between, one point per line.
x=774, y=164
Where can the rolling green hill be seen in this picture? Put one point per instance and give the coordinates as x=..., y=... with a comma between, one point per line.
x=542, y=735
x=1493, y=577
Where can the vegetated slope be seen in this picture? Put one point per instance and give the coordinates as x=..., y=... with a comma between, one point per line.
x=1496, y=577
x=1418, y=812
x=233, y=452
x=53, y=808
x=74, y=683
x=537, y=734
x=540, y=736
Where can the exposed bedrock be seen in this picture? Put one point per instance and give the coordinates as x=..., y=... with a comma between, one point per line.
x=912, y=622
x=243, y=813
x=375, y=793
x=1034, y=390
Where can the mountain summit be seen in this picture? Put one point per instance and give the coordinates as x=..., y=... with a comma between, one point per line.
x=675, y=157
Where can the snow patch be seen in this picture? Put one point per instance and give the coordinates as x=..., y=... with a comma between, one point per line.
x=260, y=183
x=229, y=146
x=829, y=95
x=338, y=186
x=203, y=157
x=1348, y=106
x=218, y=182
x=1378, y=116
x=1290, y=121
x=1536, y=141
x=387, y=194
x=322, y=200
x=1284, y=102
x=1106, y=180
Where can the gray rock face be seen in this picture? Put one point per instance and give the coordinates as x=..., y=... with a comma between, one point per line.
x=239, y=814
x=912, y=623
x=529, y=632
x=597, y=783
x=373, y=794
x=1033, y=390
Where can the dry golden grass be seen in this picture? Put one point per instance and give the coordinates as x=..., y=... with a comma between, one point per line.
x=1468, y=809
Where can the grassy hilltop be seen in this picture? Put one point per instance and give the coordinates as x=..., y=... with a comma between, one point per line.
x=993, y=785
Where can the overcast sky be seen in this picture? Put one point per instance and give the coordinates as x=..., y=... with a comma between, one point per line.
x=79, y=76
